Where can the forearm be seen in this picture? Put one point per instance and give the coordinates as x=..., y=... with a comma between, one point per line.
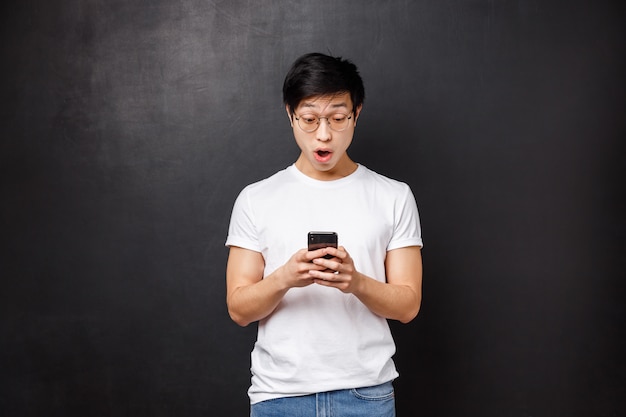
x=392, y=301
x=250, y=303
x=250, y=296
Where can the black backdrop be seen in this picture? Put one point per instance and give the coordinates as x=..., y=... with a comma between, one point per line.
x=129, y=127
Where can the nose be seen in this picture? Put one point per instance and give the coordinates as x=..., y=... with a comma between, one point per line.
x=323, y=130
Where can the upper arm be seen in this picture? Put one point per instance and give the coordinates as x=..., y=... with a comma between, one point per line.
x=244, y=267
x=403, y=266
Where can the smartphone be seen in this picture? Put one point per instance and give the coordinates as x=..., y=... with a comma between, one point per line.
x=318, y=240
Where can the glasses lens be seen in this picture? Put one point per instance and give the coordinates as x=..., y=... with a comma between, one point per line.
x=308, y=122
x=338, y=121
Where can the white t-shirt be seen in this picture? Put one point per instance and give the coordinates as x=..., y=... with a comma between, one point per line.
x=320, y=339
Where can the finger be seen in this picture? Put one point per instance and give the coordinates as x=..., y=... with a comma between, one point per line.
x=322, y=282
x=328, y=275
x=314, y=266
x=329, y=264
x=314, y=254
x=339, y=252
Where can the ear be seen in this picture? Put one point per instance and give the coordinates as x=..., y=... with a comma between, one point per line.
x=289, y=115
x=357, y=112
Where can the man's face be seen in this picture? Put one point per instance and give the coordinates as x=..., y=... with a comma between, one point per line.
x=324, y=154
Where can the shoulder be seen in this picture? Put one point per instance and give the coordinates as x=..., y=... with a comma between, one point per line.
x=269, y=184
x=375, y=179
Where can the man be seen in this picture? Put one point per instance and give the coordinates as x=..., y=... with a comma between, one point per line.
x=324, y=347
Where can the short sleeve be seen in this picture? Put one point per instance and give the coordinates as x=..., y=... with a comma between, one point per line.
x=407, y=228
x=242, y=231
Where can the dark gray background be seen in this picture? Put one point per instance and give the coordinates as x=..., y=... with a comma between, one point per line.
x=129, y=127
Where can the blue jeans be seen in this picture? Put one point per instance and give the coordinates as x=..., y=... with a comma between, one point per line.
x=376, y=401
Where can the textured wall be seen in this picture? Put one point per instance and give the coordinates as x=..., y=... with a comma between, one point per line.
x=128, y=128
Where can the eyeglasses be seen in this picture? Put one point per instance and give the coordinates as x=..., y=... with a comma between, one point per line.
x=310, y=122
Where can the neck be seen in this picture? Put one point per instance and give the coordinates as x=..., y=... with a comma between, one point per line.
x=343, y=168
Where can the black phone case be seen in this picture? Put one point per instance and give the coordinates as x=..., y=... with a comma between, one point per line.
x=318, y=240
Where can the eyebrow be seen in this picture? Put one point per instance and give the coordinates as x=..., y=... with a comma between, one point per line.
x=332, y=106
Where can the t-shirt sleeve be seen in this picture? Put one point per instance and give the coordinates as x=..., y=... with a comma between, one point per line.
x=407, y=229
x=241, y=231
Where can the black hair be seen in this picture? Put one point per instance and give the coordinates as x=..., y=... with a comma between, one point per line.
x=317, y=74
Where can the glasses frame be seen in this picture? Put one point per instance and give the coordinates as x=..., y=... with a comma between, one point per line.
x=319, y=120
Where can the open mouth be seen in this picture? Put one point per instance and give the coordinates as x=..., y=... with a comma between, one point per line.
x=323, y=156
